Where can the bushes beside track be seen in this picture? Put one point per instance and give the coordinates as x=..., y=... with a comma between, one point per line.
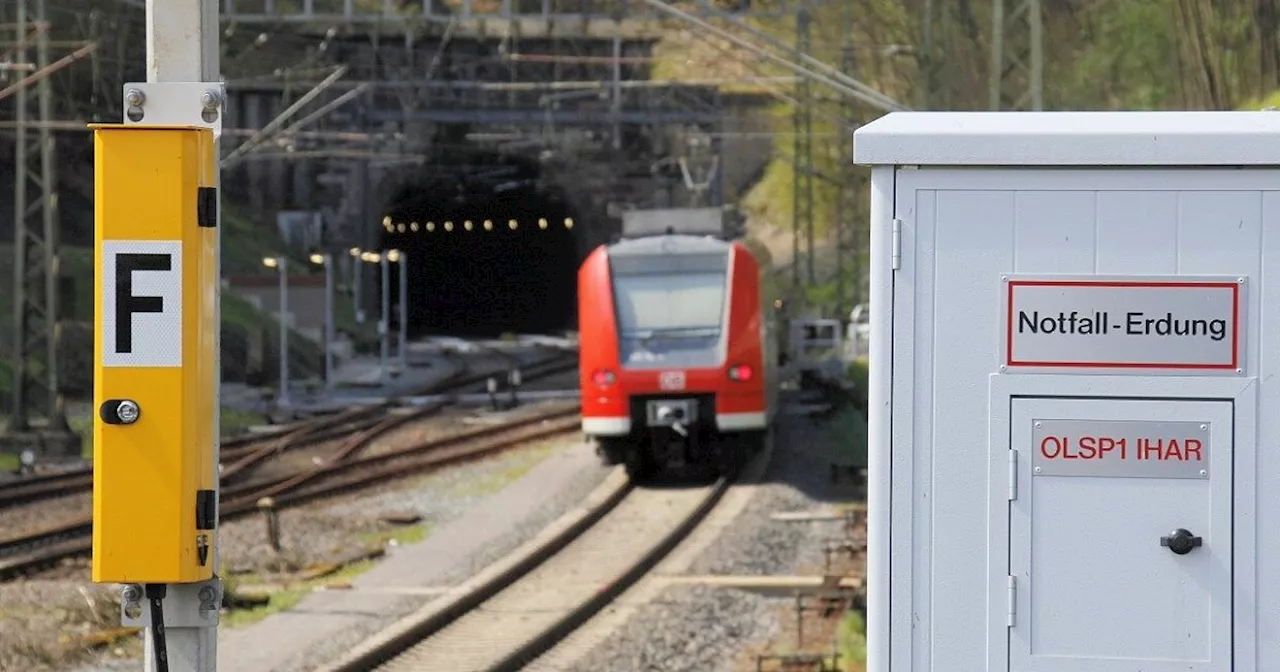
x=859, y=373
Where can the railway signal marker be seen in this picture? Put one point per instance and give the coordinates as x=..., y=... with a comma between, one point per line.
x=155, y=353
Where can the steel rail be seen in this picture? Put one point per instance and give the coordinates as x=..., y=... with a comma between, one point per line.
x=69, y=539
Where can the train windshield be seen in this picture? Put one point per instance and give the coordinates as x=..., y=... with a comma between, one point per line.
x=670, y=319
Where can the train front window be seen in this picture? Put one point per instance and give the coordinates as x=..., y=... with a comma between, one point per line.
x=674, y=305
x=668, y=317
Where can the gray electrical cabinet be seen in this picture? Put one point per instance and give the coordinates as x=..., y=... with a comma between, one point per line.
x=1074, y=349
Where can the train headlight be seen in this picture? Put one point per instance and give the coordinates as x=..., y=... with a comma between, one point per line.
x=741, y=373
x=603, y=377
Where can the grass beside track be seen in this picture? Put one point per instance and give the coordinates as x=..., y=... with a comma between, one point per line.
x=288, y=596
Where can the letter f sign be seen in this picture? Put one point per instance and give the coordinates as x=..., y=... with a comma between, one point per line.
x=141, y=317
x=126, y=303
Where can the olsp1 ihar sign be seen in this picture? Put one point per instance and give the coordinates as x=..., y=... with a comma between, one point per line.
x=1176, y=325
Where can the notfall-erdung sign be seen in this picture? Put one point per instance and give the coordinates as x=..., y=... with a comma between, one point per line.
x=1171, y=325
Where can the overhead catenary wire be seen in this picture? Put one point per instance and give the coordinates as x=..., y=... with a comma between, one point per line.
x=811, y=101
x=874, y=98
x=48, y=70
x=325, y=109
x=271, y=127
x=809, y=59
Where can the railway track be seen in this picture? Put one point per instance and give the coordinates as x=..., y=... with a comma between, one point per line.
x=507, y=620
x=36, y=488
x=345, y=470
x=241, y=454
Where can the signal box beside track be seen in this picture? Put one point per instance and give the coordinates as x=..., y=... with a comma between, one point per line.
x=1073, y=451
x=155, y=373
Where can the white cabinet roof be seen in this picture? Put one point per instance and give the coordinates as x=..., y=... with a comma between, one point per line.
x=1071, y=138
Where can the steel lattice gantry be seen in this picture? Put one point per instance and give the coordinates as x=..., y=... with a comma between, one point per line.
x=36, y=302
x=802, y=190
x=1017, y=56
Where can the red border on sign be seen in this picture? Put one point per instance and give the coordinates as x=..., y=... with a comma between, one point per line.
x=1235, y=323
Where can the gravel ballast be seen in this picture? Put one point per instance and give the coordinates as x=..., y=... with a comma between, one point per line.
x=445, y=500
x=718, y=630
x=474, y=520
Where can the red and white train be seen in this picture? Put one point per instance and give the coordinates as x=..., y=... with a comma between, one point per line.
x=677, y=353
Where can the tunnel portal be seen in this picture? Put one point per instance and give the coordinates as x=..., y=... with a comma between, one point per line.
x=488, y=253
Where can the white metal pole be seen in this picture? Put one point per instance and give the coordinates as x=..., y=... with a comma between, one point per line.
x=283, y=397
x=385, y=323
x=404, y=311
x=328, y=320
x=357, y=270
x=182, y=46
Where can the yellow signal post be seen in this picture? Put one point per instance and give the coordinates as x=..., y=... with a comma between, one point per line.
x=155, y=354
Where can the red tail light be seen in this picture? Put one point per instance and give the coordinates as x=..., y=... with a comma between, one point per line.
x=741, y=373
x=602, y=377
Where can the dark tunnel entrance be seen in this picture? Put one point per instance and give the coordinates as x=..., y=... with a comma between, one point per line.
x=487, y=253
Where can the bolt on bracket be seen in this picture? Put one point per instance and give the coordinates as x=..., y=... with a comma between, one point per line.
x=198, y=104
x=186, y=605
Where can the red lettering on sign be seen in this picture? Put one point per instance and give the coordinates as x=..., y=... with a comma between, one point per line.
x=1051, y=441
x=1181, y=450
x=1085, y=447
x=1106, y=447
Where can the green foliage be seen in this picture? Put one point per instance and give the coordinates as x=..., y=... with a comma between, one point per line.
x=245, y=243
x=1270, y=100
x=232, y=420
x=1127, y=60
x=290, y=595
x=848, y=437
x=860, y=374
x=851, y=641
x=240, y=318
x=408, y=534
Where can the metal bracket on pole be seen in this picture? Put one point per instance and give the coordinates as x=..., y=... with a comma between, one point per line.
x=187, y=605
x=190, y=622
x=175, y=104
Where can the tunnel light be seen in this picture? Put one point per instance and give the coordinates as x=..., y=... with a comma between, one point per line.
x=467, y=225
x=400, y=227
x=413, y=226
x=355, y=252
x=448, y=226
x=511, y=224
x=386, y=222
x=393, y=256
x=568, y=222
x=488, y=225
x=542, y=222
x=317, y=258
x=371, y=257
x=431, y=226
x=270, y=262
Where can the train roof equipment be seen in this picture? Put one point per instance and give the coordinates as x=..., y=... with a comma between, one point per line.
x=679, y=221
